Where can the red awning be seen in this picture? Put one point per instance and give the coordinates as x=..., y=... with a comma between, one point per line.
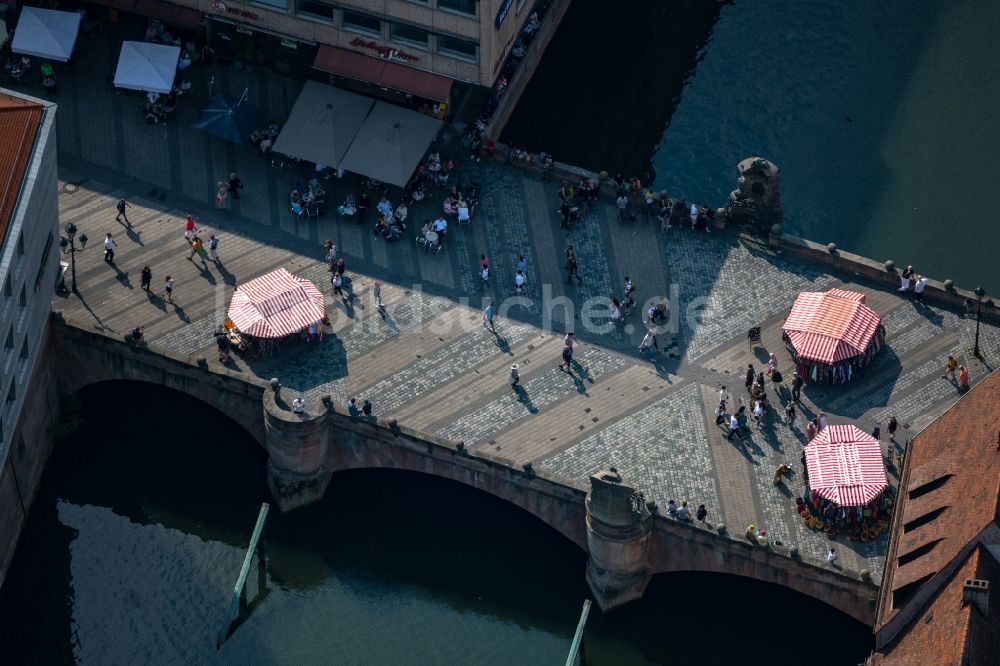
x=184, y=17
x=276, y=305
x=830, y=327
x=360, y=67
x=845, y=466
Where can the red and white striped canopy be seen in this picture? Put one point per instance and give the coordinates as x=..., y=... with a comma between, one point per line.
x=845, y=465
x=830, y=327
x=276, y=305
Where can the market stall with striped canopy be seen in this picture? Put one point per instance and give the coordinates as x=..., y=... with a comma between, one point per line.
x=845, y=474
x=832, y=335
x=276, y=305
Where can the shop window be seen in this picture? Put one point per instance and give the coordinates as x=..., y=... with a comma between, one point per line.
x=273, y=4
x=457, y=48
x=315, y=9
x=461, y=6
x=368, y=25
x=409, y=34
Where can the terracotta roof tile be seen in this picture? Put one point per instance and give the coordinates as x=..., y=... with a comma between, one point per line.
x=19, y=122
x=951, y=521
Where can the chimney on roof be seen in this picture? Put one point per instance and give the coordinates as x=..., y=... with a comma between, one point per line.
x=977, y=592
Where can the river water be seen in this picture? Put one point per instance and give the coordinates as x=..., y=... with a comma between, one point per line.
x=138, y=533
x=881, y=115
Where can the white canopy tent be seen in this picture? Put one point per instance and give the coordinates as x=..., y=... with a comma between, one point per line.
x=145, y=66
x=46, y=33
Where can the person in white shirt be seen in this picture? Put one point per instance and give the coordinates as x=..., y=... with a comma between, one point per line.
x=918, y=288
x=298, y=406
x=109, y=249
x=519, y=280
x=646, y=346
x=684, y=513
x=723, y=394
x=384, y=207
x=831, y=557
x=440, y=225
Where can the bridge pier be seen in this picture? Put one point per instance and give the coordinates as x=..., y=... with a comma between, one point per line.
x=619, y=527
x=297, y=444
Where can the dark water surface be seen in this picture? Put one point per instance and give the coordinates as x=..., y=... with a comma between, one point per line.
x=882, y=116
x=136, y=539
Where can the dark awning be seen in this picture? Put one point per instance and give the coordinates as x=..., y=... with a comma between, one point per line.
x=383, y=73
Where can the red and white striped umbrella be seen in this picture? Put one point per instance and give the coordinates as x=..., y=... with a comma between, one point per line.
x=845, y=465
x=830, y=327
x=276, y=305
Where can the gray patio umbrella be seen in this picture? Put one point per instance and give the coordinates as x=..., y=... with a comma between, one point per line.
x=391, y=143
x=322, y=124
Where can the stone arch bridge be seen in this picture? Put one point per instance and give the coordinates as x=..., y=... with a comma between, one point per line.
x=626, y=540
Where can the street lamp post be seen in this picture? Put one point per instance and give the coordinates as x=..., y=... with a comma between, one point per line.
x=980, y=292
x=68, y=245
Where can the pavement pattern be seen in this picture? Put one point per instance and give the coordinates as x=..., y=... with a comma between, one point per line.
x=428, y=360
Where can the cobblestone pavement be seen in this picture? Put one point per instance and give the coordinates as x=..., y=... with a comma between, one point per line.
x=428, y=360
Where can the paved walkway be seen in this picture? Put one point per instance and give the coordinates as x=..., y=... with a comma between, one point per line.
x=430, y=363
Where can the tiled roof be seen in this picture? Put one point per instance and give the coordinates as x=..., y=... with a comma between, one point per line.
x=946, y=518
x=19, y=121
x=948, y=631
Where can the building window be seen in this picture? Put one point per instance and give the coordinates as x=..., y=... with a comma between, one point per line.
x=461, y=6
x=44, y=261
x=25, y=352
x=316, y=9
x=274, y=4
x=20, y=244
x=24, y=297
x=10, y=340
x=369, y=25
x=12, y=393
x=8, y=291
x=457, y=48
x=409, y=34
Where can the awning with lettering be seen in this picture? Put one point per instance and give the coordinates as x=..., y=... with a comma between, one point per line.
x=169, y=13
x=357, y=66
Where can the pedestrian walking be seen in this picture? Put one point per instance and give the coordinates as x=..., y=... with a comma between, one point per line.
x=519, y=281
x=720, y=413
x=109, y=249
x=221, y=194
x=821, y=422
x=145, y=278
x=488, y=316
x=627, y=300
x=121, y=206
x=567, y=359
x=877, y=433
x=734, y=426
x=758, y=413
x=515, y=377
x=168, y=288
x=918, y=288
x=235, y=185
x=331, y=253
x=949, y=368
x=337, y=282
x=892, y=426
x=904, y=278
x=701, y=513
x=750, y=376
x=569, y=340
x=213, y=248
x=963, y=378
x=646, y=346
x=790, y=413
x=190, y=228
x=484, y=261
x=572, y=267
x=377, y=295
x=484, y=277
x=341, y=267
x=723, y=394
x=196, y=249
x=831, y=557
x=796, y=387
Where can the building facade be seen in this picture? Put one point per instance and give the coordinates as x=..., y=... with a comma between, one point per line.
x=416, y=47
x=29, y=269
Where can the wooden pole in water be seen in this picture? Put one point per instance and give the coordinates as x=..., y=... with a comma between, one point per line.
x=242, y=580
x=574, y=648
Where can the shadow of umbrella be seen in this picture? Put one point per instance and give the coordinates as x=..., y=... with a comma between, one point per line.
x=230, y=119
